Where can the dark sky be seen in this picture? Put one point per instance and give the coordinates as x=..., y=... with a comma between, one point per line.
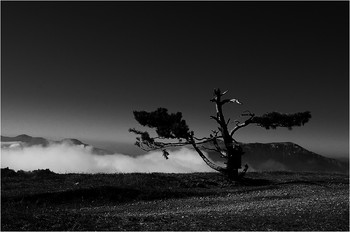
x=79, y=69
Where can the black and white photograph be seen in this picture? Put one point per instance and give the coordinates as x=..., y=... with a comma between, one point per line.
x=174, y=116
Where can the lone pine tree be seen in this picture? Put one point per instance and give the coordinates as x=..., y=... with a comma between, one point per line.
x=172, y=131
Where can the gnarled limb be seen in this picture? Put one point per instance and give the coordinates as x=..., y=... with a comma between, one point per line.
x=240, y=125
x=207, y=161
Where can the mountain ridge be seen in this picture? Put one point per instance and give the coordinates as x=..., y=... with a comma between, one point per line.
x=24, y=140
x=284, y=156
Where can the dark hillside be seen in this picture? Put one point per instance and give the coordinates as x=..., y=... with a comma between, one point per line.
x=28, y=140
x=290, y=157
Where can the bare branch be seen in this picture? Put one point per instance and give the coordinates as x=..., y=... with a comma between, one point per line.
x=222, y=94
x=233, y=100
x=215, y=133
x=216, y=119
x=206, y=139
x=151, y=144
x=240, y=125
x=207, y=161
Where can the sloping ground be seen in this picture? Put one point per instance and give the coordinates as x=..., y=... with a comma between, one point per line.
x=200, y=201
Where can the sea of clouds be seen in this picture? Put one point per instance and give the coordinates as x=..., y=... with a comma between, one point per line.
x=68, y=158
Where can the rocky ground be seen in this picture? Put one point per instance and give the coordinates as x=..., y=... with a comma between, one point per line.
x=201, y=201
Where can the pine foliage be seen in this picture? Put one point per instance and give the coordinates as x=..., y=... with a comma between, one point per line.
x=274, y=119
x=167, y=125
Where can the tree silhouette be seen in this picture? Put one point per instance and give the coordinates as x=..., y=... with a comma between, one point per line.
x=172, y=131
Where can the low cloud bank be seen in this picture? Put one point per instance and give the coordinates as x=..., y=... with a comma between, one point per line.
x=66, y=158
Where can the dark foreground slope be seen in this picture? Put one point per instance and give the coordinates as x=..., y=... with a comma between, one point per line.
x=43, y=200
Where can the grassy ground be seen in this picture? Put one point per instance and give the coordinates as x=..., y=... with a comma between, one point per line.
x=200, y=201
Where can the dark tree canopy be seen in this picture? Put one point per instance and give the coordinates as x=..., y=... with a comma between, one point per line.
x=166, y=125
x=274, y=119
x=172, y=126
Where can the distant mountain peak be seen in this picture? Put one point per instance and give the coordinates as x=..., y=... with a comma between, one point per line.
x=23, y=136
x=26, y=140
x=29, y=140
x=73, y=141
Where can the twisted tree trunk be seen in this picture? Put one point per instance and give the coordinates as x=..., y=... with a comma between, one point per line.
x=233, y=154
